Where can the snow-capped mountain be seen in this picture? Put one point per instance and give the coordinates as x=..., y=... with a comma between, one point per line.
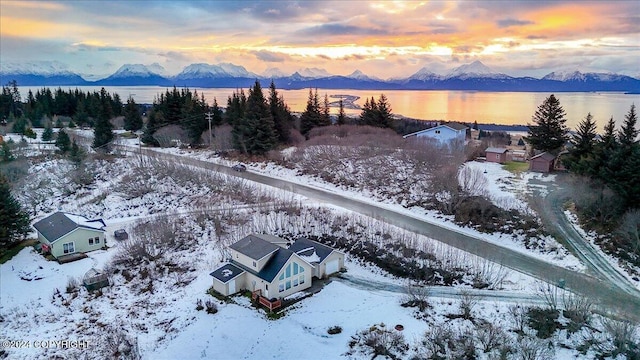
x=579, y=76
x=424, y=74
x=45, y=68
x=474, y=70
x=313, y=73
x=224, y=70
x=359, y=75
x=273, y=73
x=133, y=70
x=39, y=73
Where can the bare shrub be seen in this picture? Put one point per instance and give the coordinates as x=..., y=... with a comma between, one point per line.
x=211, y=306
x=490, y=337
x=115, y=343
x=621, y=339
x=416, y=296
x=378, y=341
x=488, y=274
x=72, y=285
x=171, y=135
x=578, y=309
x=518, y=315
x=295, y=137
x=535, y=349
x=467, y=304
x=548, y=293
x=222, y=138
x=629, y=233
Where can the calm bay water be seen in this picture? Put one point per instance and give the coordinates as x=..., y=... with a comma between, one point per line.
x=484, y=107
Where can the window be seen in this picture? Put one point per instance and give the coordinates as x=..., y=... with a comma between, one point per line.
x=90, y=241
x=498, y=156
x=295, y=269
x=295, y=281
x=286, y=277
x=68, y=248
x=288, y=271
x=281, y=287
x=302, y=279
x=288, y=285
x=281, y=277
x=96, y=240
x=254, y=264
x=437, y=131
x=266, y=287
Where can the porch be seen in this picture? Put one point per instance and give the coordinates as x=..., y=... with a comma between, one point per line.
x=271, y=305
x=71, y=257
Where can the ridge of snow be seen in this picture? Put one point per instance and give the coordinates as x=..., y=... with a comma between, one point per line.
x=424, y=74
x=359, y=75
x=475, y=70
x=580, y=76
x=133, y=70
x=46, y=68
x=273, y=72
x=314, y=73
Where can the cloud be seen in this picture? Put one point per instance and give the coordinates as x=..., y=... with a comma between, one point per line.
x=270, y=56
x=340, y=29
x=504, y=23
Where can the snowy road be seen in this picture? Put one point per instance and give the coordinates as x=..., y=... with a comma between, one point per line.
x=607, y=293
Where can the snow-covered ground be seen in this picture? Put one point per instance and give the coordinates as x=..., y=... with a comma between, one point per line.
x=163, y=320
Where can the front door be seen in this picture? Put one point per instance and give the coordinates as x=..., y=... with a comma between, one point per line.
x=232, y=287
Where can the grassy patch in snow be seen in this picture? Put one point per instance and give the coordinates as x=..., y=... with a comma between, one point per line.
x=516, y=167
x=6, y=255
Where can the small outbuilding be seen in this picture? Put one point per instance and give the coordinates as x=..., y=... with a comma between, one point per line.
x=496, y=154
x=95, y=279
x=68, y=236
x=543, y=162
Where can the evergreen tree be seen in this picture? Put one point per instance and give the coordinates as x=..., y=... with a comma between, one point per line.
x=19, y=124
x=325, y=115
x=76, y=154
x=15, y=222
x=241, y=126
x=310, y=118
x=282, y=118
x=628, y=134
x=623, y=168
x=47, y=134
x=5, y=152
x=580, y=158
x=475, y=125
x=59, y=123
x=30, y=133
x=383, y=113
x=132, y=117
x=604, y=152
x=103, y=130
x=260, y=121
x=63, y=142
x=342, y=118
x=72, y=125
x=549, y=131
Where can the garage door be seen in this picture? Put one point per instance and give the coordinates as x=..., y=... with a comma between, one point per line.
x=332, y=267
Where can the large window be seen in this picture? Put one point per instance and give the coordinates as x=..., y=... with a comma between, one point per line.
x=68, y=248
x=292, y=275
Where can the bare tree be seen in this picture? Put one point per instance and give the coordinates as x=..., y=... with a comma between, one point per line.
x=548, y=293
x=417, y=296
x=518, y=315
x=172, y=135
x=578, y=309
x=629, y=231
x=222, y=138
x=468, y=302
x=379, y=341
x=491, y=337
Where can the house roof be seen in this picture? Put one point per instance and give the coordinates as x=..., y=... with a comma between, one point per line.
x=497, y=150
x=271, y=269
x=254, y=247
x=59, y=224
x=305, y=247
x=547, y=156
x=227, y=272
x=452, y=126
x=271, y=238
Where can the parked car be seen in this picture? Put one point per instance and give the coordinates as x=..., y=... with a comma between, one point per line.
x=120, y=234
x=239, y=167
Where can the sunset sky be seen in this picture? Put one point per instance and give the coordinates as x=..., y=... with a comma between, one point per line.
x=381, y=38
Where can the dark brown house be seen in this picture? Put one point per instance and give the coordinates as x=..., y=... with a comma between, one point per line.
x=542, y=162
x=497, y=155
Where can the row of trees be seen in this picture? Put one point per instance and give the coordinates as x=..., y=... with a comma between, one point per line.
x=83, y=108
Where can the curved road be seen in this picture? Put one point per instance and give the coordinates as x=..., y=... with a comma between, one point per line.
x=553, y=215
x=605, y=293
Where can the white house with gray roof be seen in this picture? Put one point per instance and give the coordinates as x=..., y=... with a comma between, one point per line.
x=325, y=260
x=445, y=135
x=64, y=234
x=259, y=265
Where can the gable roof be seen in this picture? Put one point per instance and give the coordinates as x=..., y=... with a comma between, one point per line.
x=497, y=150
x=59, y=224
x=227, y=272
x=271, y=269
x=254, y=247
x=306, y=247
x=547, y=156
x=452, y=126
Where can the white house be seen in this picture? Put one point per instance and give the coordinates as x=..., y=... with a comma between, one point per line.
x=262, y=265
x=325, y=260
x=444, y=135
x=64, y=234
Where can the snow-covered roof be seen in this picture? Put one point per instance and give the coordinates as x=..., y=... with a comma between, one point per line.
x=226, y=273
x=311, y=251
x=496, y=150
x=59, y=224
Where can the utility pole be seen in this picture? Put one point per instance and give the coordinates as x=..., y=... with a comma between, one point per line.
x=209, y=116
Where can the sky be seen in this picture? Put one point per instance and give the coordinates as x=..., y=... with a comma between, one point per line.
x=381, y=38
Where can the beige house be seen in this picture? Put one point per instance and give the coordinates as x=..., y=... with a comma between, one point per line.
x=258, y=265
x=325, y=260
x=63, y=234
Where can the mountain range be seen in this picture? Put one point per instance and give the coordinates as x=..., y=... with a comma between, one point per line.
x=473, y=76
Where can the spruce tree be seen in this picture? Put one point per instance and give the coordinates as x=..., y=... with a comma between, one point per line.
x=604, y=152
x=310, y=118
x=342, y=118
x=103, y=130
x=580, y=158
x=628, y=134
x=282, y=118
x=15, y=222
x=325, y=115
x=549, y=132
x=76, y=154
x=5, y=152
x=260, y=121
x=383, y=113
x=132, y=117
x=63, y=142
x=623, y=175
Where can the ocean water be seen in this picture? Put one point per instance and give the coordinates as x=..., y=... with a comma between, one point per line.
x=509, y=108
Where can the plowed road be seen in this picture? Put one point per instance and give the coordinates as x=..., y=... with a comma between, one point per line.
x=622, y=301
